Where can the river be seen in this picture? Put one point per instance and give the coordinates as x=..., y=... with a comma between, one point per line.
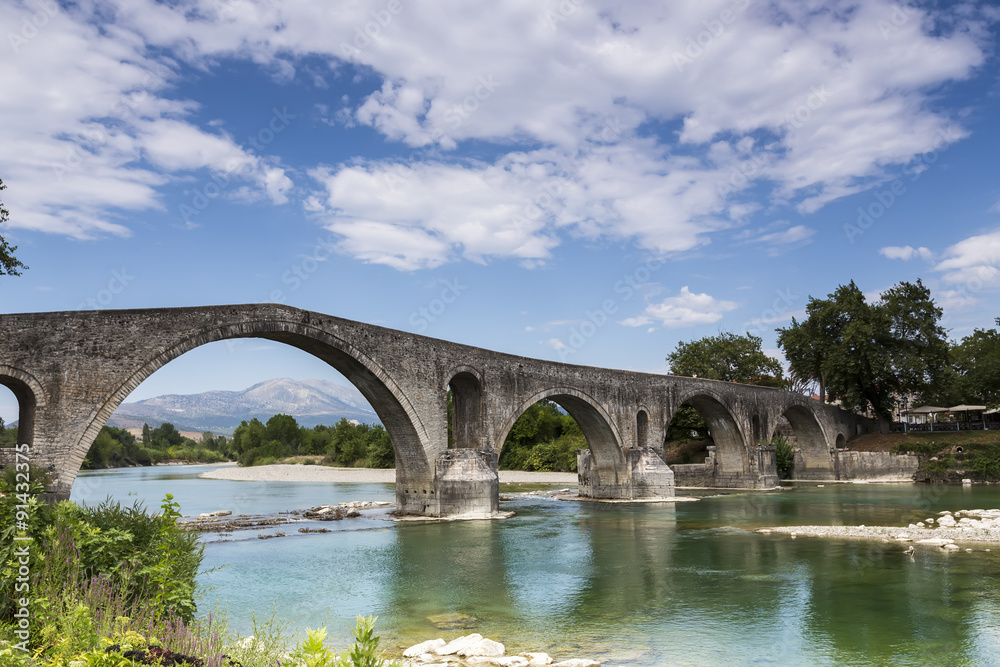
x=628, y=584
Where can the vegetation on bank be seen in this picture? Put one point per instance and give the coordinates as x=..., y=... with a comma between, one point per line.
x=343, y=444
x=117, y=448
x=114, y=586
x=953, y=456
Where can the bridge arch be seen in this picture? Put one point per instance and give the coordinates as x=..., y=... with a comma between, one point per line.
x=812, y=459
x=730, y=445
x=30, y=396
x=467, y=417
x=603, y=438
x=393, y=408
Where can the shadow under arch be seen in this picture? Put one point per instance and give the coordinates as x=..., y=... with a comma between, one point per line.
x=730, y=447
x=30, y=396
x=812, y=458
x=598, y=428
x=466, y=385
x=401, y=421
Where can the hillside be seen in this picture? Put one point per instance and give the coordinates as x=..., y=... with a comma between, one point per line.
x=311, y=402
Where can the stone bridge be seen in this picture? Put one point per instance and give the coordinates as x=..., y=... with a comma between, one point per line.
x=71, y=370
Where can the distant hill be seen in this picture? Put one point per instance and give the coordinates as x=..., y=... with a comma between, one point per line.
x=311, y=402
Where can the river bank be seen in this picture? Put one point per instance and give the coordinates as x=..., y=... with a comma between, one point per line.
x=301, y=473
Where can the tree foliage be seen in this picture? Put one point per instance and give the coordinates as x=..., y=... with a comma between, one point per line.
x=868, y=354
x=729, y=357
x=9, y=265
x=543, y=439
x=977, y=367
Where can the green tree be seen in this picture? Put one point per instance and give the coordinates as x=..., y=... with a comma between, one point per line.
x=9, y=265
x=869, y=354
x=146, y=434
x=977, y=363
x=285, y=430
x=728, y=357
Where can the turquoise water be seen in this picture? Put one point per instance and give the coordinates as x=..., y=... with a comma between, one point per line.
x=650, y=584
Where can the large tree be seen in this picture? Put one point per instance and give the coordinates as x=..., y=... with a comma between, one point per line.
x=726, y=357
x=977, y=363
x=869, y=354
x=9, y=265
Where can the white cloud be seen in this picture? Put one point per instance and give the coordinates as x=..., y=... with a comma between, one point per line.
x=906, y=253
x=831, y=104
x=684, y=310
x=974, y=261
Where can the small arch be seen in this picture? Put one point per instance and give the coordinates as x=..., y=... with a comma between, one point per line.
x=30, y=396
x=841, y=441
x=598, y=428
x=467, y=409
x=641, y=429
x=730, y=448
x=755, y=429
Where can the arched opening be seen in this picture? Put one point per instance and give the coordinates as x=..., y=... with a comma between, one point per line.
x=841, y=441
x=812, y=458
x=756, y=433
x=702, y=422
x=551, y=426
x=375, y=386
x=17, y=403
x=641, y=429
x=466, y=411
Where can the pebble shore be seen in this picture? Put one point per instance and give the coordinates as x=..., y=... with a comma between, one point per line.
x=946, y=530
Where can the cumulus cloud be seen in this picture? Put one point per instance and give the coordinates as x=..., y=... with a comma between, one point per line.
x=684, y=310
x=974, y=261
x=906, y=253
x=810, y=103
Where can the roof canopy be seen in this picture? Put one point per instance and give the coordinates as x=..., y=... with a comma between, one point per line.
x=926, y=410
x=967, y=408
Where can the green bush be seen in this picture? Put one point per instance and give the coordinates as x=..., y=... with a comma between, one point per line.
x=785, y=456
x=920, y=447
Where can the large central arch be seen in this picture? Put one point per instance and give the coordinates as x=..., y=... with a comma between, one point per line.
x=812, y=453
x=386, y=398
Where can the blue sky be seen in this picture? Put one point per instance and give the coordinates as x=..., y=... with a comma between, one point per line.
x=572, y=180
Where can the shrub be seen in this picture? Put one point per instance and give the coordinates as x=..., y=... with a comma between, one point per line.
x=785, y=456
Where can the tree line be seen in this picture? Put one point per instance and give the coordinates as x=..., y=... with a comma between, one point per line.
x=866, y=354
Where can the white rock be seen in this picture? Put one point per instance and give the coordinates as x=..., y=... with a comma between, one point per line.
x=935, y=541
x=538, y=658
x=456, y=645
x=928, y=520
x=511, y=661
x=577, y=662
x=951, y=546
x=967, y=482
x=484, y=647
x=947, y=521
x=428, y=646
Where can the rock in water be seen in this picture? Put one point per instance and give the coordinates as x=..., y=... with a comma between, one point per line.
x=456, y=645
x=453, y=621
x=428, y=646
x=538, y=659
x=577, y=662
x=484, y=647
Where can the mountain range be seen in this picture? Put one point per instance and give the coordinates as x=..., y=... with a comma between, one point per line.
x=311, y=402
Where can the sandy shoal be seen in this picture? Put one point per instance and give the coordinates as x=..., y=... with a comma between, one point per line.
x=301, y=473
